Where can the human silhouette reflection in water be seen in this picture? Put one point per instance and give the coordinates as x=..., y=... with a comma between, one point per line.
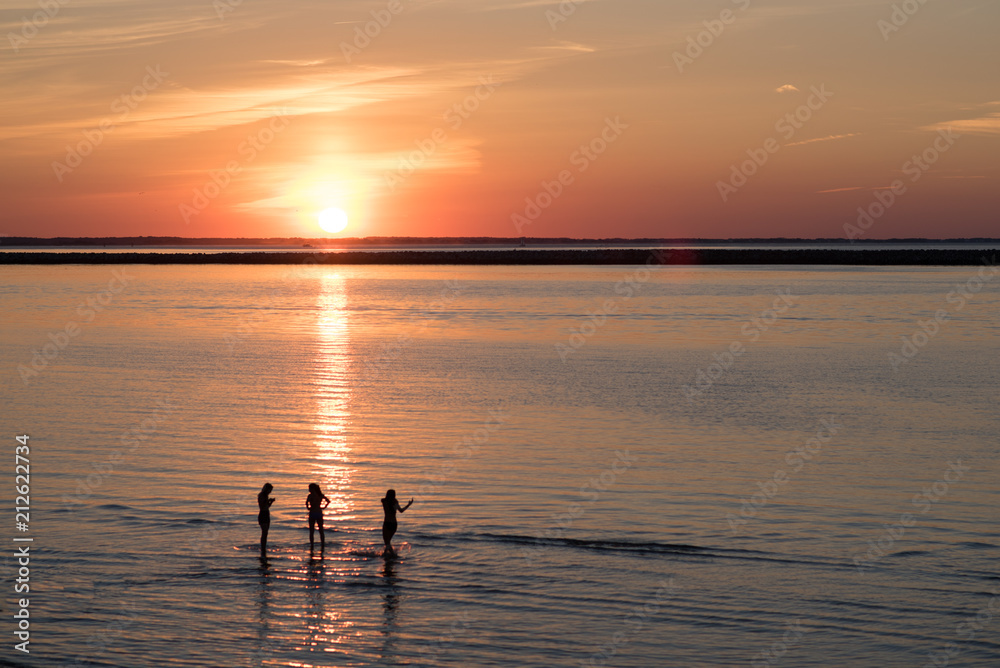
x=319, y=632
x=390, y=505
x=391, y=595
x=316, y=502
x=264, y=647
x=390, y=603
x=264, y=516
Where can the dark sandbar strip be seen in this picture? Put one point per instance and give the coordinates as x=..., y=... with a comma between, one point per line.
x=710, y=256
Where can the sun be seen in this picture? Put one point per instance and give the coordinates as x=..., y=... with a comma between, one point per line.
x=333, y=220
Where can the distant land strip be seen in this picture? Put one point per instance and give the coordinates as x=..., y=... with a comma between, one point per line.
x=706, y=256
x=337, y=243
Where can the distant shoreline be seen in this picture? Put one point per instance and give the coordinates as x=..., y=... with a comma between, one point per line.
x=531, y=256
x=322, y=243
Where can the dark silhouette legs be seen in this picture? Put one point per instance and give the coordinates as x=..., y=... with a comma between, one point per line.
x=388, y=531
x=322, y=536
x=264, y=526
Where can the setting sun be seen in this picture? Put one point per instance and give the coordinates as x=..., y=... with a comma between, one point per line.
x=333, y=220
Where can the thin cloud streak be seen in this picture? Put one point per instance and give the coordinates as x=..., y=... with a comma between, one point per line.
x=829, y=138
x=986, y=125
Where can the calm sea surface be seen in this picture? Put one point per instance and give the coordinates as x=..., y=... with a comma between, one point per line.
x=694, y=466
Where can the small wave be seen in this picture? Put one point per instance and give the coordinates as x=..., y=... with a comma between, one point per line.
x=611, y=545
x=169, y=521
x=365, y=554
x=640, y=548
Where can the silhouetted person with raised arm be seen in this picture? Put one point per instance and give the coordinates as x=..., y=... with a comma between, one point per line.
x=264, y=516
x=390, y=505
x=316, y=502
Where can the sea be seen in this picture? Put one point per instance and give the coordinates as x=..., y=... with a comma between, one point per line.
x=610, y=465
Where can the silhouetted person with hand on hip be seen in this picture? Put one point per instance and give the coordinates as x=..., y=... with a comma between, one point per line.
x=316, y=502
x=390, y=505
x=264, y=516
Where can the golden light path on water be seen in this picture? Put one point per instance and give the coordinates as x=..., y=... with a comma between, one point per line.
x=325, y=630
x=332, y=391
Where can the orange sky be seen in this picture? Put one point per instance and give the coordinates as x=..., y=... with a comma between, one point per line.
x=461, y=117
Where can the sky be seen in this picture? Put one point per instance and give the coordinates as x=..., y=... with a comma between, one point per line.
x=563, y=118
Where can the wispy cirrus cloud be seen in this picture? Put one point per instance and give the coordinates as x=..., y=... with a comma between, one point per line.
x=828, y=138
x=842, y=190
x=853, y=188
x=984, y=125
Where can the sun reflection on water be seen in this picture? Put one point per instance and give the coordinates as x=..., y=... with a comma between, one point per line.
x=332, y=392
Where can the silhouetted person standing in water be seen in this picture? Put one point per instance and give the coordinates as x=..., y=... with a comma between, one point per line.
x=316, y=502
x=264, y=516
x=390, y=505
